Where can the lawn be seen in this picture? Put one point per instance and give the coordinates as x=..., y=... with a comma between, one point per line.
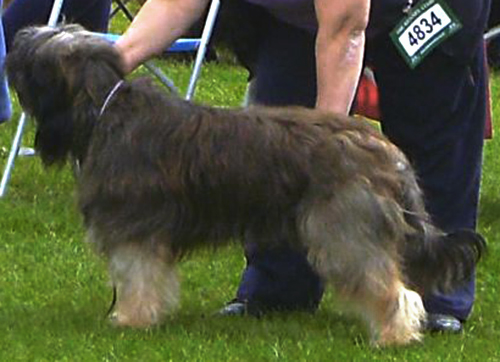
x=54, y=292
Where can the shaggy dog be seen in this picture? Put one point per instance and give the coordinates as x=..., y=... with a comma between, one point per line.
x=161, y=177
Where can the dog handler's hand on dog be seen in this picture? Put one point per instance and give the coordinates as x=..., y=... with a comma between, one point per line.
x=339, y=43
x=158, y=24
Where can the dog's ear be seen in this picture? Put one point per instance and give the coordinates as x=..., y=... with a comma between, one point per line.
x=49, y=101
x=93, y=71
x=54, y=135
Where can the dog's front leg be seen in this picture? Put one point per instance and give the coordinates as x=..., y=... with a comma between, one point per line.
x=146, y=283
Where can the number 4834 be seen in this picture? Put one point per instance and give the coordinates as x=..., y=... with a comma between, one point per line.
x=425, y=27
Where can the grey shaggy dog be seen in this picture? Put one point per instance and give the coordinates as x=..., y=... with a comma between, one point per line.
x=161, y=176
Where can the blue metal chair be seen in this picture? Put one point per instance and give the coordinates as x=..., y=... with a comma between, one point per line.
x=182, y=45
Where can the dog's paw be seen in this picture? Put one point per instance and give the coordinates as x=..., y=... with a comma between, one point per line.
x=406, y=322
x=138, y=320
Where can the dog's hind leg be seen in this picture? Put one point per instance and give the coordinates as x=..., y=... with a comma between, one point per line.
x=146, y=283
x=354, y=249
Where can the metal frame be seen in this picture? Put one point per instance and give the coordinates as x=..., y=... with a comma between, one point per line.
x=198, y=45
x=121, y=6
x=492, y=33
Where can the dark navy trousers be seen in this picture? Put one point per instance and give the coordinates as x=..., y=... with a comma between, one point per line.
x=92, y=14
x=435, y=113
x=284, y=75
x=5, y=105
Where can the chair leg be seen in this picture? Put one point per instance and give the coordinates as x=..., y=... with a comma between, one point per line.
x=200, y=54
x=158, y=73
x=16, y=143
x=120, y=6
x=492, y=33
x=55, y=12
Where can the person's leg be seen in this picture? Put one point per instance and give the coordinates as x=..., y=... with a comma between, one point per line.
x=285, y=72
x=281, y=279
x=494, y=44
x=436, y=114
x=464, y=190
x=92, y=14
x=278, y=279
x=5, y=105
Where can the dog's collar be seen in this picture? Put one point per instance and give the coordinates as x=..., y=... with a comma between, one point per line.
x=110, y=96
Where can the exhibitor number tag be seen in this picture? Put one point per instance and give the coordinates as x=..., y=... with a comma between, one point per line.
x=427, y=25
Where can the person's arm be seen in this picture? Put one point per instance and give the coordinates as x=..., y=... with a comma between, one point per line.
x=339, y=51
x=157, y=25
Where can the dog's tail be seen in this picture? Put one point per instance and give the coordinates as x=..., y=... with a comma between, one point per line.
x=433, y=260
x=436, y=261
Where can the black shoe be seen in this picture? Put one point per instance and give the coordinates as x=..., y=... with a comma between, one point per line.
x=234, y=308
x=238, y=307
x=442, y=323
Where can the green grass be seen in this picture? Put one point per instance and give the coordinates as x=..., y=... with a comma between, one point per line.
x=54, y=292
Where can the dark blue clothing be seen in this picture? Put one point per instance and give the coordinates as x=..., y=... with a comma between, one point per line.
x=92, y=14
x=494, y=44
x=5, y=105
x=285, y=74
x=435, y=113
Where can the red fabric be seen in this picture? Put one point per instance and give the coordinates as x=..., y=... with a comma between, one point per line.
x=367, y=98
x=367, y=105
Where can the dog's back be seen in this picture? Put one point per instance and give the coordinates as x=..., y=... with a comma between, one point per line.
x=215, y=173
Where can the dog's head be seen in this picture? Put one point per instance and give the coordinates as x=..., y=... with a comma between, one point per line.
x=58, y=72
